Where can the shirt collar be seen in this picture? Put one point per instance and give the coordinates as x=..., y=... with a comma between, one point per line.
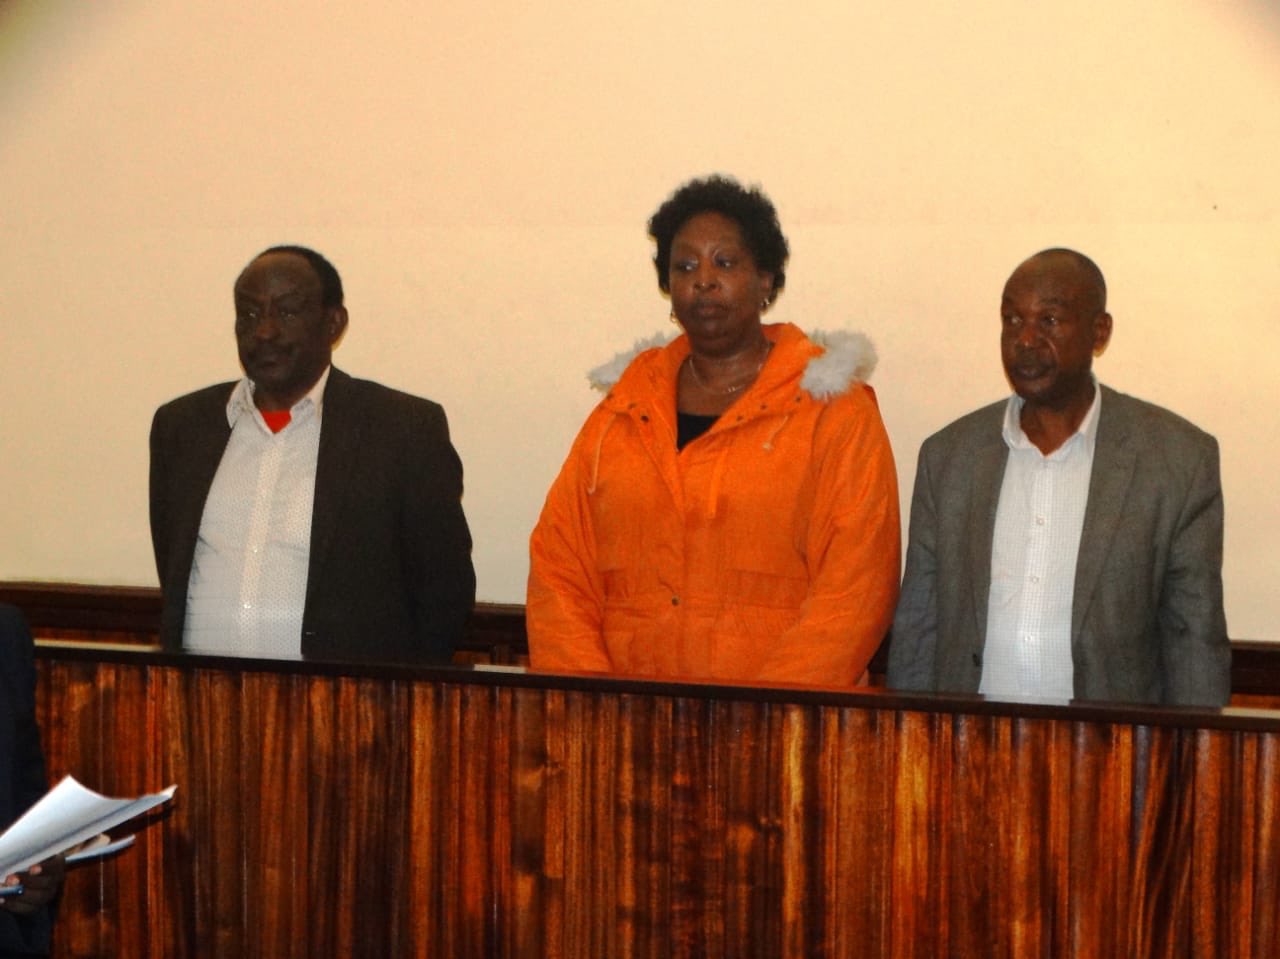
x=1085, y=435
x=241, y=401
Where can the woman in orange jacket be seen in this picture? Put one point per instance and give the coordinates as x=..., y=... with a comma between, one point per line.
x=730, y=509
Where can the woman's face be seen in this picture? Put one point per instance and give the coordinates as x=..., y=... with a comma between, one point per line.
x=716, y=287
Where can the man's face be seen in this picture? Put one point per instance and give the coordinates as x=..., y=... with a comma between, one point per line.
x=1052, y=322
x=284, y=335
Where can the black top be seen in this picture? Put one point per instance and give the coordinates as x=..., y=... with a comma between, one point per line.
x=689, y=426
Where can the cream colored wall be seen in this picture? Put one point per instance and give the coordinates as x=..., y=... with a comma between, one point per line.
x=481, y=174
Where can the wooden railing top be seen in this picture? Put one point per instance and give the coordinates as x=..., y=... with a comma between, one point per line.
x=494, y=627
x=136, y=609
x=878, y=699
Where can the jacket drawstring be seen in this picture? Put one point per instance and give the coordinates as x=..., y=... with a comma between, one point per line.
x=768, y=443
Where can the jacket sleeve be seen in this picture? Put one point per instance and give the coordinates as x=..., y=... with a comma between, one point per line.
x=853, y=551
x=1194, y=649
x=157, y=489
x=565, y=603
x=438, y=552
x=915, y=624
x=30, y=932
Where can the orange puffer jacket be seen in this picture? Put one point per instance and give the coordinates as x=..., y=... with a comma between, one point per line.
x=766, y=550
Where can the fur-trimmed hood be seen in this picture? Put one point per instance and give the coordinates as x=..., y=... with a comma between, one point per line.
x=843, y=358
x=604, y=376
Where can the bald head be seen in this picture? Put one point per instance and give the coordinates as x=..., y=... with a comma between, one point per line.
x=1092, y=283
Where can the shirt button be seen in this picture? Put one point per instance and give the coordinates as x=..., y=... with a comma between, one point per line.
x=248, y=605
x=1035, y=579
x=1039, y=520
x=675, y=600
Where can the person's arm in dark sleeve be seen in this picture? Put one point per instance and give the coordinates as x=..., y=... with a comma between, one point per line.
x=438, y=539
x=1194, y=649
x=914, y=640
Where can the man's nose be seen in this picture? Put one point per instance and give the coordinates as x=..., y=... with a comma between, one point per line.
x=268, y=325
x=1029, y=334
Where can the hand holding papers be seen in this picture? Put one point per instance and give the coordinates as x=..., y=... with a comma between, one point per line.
x=68, y=815
x=97, y=847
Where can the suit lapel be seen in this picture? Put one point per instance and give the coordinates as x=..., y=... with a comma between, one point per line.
x=990, y=454
x=340, y=435
x=206, y=436
x=1114, y=461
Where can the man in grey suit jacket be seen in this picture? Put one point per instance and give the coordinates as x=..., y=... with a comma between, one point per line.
x=1137, y=615
x=349, y=544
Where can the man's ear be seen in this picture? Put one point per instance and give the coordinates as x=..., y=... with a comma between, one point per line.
x=337, y=324
x=1101, y=333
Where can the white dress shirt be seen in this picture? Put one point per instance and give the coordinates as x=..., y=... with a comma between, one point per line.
x=248, y=581
x=1033, y=562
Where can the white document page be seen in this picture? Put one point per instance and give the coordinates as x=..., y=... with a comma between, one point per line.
x=67, y=815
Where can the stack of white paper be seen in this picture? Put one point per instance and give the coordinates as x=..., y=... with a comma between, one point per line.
x=66, y=816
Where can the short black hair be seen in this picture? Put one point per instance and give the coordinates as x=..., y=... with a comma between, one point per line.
x=749, y=208
x=1087, y=266
x=330, y=283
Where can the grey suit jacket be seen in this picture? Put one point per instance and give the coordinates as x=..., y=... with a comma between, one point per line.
x=389, y=574
x=1147, y=622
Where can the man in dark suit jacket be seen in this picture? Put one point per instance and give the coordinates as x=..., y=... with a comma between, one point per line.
x=24, y=919
x=388, y=573
x=1146, y=614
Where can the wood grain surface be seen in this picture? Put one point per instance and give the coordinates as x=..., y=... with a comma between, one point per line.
x=435, y=813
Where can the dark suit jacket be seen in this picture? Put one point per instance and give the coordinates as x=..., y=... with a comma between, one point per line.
x=22, y=779
x=1147, y=622
x=390, y=575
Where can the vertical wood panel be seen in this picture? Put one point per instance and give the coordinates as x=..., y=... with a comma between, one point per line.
x=976, y=843
x=217, y=804
x=860, y=835
x=1100, y=841
x=170, y=865
x=72, y=737
x=475, y=759
x=1165, y=787
x=1022, y=897
x=528, y=816
x=799, y=896
x=598, y=781
x=423, y=896
x=274, y=721
x=684, y=803
x=922, y=908
x=746, y=830
x=1264, y=839
x=1211, y=852
x=123, y=706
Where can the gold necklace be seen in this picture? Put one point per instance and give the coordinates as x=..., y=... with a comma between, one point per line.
x=729, y=390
